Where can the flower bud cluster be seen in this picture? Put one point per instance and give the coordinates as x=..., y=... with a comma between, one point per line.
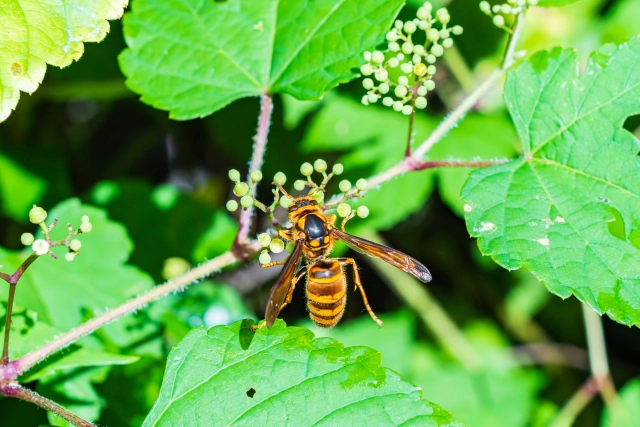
x=38, y=215
x=500, y=13
x=403, y=75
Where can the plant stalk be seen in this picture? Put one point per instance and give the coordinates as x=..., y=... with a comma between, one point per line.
x=7, y=326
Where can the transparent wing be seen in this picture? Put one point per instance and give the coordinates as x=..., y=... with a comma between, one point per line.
x=283, y=284
x=396, y=258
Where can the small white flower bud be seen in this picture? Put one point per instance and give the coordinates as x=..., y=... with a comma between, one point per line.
x=75, y=245
x=367, y=83
x=498, y=21
x=382, y=75
x=407, y=110
x=394, y=47
x=485, y=6
x=256, y=176
x=246, y=201
x=433, y=35
x=392, y=36
x=85, y=218
x=457, y=30
x=442, y=15
x=383, y=88
x=387, y=101
x=430, y=85
x=277, y=246
x=372, y=98
x=377, y=57
x=505, y=8
x=407, y=48
x=362, y=211
x=86, y=227
x=361, y=184
x=366, y=70
x=70, y=256
x=437, y=50
x=264, y=258
x=431, y=59
x=409, y=27
x=320, y=165
x=397, y=106
x=344, y=210
x=403, y=80
x=423, y=13
x=367, y=56
x=400, y=56
x=280, y=178
x=337, y=169
x=240, y=189
x=422, y=91
x=398, y=24
x=27, y=239
x=400, y=91
x=421, y=102
x=40, y=247
x=406, y=68
x=264, y=240
x=447, y=43
x=344, y=186
x=393, y=62
x=234, y=175
x=306, y=169
x=299, y=185
x=431, y=69
x=285, y=202
x=365, y=100
x=419, y=49
x=495, y=8
x=416, y=58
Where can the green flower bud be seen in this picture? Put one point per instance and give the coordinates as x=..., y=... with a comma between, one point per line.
x=393, y=62
x=246, y=202
x=387, y=101
x=264, y=258
x=37, y=214
x=232, y=205
x=457, y=30
x=75, y=245
x=86, y=227
x=276, y=246
x=344, y=186
x=240, y=189
x=290, y=246
x=174, y=267
x=299, y=185
x=264, y=240
x=383, y=88
x=256, y=176
x=421, y=102
x=409, y=27
x=85, y=218
x=27, y=239
x=366, y=70
x=377, y=57
x=344, y=210
x=285, y=202
x=280, y=178
x=498, y=21
x=306, y=169
x=320, y=165
x=361, y=184
x=397, y=106
x=367, y=83
x=407, y=110
x=400, y=91
x=362, y=211
x=337, y=169
x=437, y=50
x=234, y=175
x=40, y=247
x=407, y=48
x=70, y=256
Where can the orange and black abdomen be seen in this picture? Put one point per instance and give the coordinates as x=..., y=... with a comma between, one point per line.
x=326, y=298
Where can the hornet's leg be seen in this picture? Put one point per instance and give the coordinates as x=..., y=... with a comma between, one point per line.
x=358, y=283
x=272, y=264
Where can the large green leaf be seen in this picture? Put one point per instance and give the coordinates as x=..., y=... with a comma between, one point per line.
x=193, y=57
x=19, y=189
x=569, y=210
x=36, y=33
x=283, y=376
x=59, y=291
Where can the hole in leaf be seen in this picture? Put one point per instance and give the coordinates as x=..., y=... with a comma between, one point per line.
x=251, y=392
x=632, y=124
x=616, y=227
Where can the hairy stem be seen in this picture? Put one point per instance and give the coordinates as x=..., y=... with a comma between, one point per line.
x=431, y=313
x=178, y=284
x=407, y=152
x=259, y=147
x=13, y=389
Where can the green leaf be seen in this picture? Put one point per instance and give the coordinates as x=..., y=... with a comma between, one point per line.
x=60, y=291
x=550, y=210
x=277, y=376
x=628, y=412
x=249, y=47
x=556, y=3
x=19, y=189
x=36, y=33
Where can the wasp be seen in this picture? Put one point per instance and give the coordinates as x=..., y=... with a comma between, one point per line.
x=314, y=235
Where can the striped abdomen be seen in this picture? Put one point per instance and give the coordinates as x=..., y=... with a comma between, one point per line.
x=326, y=286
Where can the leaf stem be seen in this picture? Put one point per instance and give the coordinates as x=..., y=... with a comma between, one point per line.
x=259, y=148
x=407, y=152
x=576, y=404
x=175, y=285
x=13, y=389
x=431, y=313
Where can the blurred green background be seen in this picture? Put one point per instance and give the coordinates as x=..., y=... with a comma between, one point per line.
x=84, y=135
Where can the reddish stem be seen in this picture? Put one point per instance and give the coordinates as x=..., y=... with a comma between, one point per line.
x=420, y=165
x=259, y=147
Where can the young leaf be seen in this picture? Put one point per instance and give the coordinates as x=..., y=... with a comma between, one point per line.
x=36, y=33
x=551, y=211
x=283, y=376
x=212, y=53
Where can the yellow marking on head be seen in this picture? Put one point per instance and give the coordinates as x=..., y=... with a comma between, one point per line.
x=326, y=239
x=314, y=243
